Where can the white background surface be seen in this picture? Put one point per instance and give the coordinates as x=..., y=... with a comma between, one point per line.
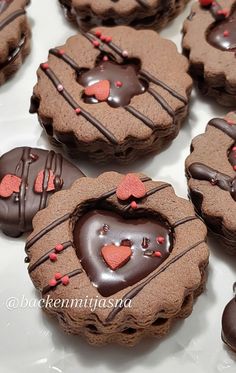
x=32, y=343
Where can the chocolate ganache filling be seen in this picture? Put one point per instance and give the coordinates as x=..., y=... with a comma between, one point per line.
x=116, y=251
x=222, y=33
x=114, y=83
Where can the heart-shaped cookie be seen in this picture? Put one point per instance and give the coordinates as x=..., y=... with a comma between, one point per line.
x=10, y=184
x=99, y=90
x=131, y=186
x=104, y=242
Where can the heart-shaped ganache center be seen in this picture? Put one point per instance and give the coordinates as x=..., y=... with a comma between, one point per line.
x=222, y=34
x=4, y=4
x=111, y=82
x=117, y=252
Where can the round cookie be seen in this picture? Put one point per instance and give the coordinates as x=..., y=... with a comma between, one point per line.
x=28, y=176
x=209, y=42
x=14, y=36
x=131, y=251
x=211, y=176
x=120, y=98
x=133, y=13
x=229, y=324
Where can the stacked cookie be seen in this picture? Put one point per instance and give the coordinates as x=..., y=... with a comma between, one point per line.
x=135, y=13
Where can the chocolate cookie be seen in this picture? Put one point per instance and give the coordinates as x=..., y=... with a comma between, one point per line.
x=112, y=102
x=212, y=180
x=14, y=36
x=134, y=13
x=229, y=323
x=210, y=43
x=127, y=248
x=28, y=177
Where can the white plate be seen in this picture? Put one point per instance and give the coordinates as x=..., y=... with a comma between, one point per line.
x=30, y=342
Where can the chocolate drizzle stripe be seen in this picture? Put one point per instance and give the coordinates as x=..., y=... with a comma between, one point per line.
x=162, y=102
x=47, y=229
x=46, y=175
x=26, y=161
x=74, y=273
x=45, y=257
x=57, y=158
x=63, y=56
x=131, y=294
x=143, y=3
x=163, y=85
x=191, y=15
x=58, y=182
x=185, y=220
x=157, y=189
x=11, y=17
x=56, y=82
x=221, y=124
x=143, y=118
x=200, y=171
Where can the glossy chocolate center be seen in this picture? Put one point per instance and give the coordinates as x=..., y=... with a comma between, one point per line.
x=229, y=324
x=222, y=34
x=99, y=228
x=4, y=4
x=123, y=80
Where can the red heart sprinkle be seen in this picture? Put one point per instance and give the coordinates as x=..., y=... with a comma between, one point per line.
x=131, y=186
x=38, y=185
x=101, y=90
x=116, y=256
x=9, y=185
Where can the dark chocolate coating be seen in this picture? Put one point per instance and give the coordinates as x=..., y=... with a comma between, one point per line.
x=17, y=211
x=99, y=228
x=4, y=4
x=229, y=324
x=216, y=37
x=127, y=74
